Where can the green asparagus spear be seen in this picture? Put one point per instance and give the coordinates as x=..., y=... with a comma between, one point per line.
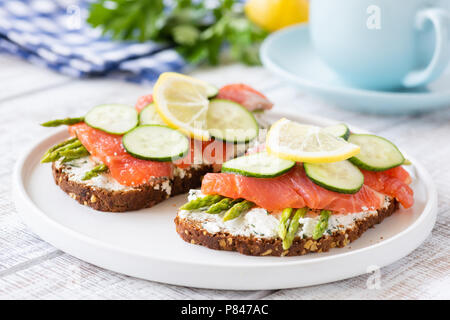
x=45, y=157
x=62, y=144
x=95, y=172
x=73, y=145
x=69, y=150
x=60, y=122
x=222, y=205
x=56, y=154
x=65, y=151
x=293, y=228
x=73, y=154
x=236, y=210
x=205, y=201
x=284, y=222
x=322, y=225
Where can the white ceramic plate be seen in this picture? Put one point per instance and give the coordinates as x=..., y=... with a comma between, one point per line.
x=144, y=243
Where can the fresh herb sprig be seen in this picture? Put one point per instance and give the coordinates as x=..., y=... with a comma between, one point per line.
x=196, y=30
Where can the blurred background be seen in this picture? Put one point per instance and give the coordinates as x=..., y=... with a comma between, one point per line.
x=138, y=39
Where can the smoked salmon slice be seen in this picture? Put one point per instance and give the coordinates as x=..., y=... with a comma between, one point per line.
x=207, y=152
x=393, y=183
x=399, y=173
x=143, y=101
x=124, y=168
x=270, y=194
x=240, y=93
x=291, y=190
x=130, y=171
x=246, y=96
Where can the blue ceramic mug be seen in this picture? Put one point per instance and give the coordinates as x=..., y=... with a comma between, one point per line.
x=382, y=44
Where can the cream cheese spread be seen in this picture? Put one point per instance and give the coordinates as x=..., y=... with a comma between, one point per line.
x=259, y=222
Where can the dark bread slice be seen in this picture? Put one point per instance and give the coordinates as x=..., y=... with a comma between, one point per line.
x=191, y=231
x=130, y=198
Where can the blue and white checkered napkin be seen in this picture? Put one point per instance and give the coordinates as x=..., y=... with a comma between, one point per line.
x=54, y=33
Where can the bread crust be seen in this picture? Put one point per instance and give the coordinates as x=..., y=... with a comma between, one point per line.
x=192, y=232
x=144, y=196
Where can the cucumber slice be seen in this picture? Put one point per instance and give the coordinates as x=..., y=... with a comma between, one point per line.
x=339, y=130
x=112, y=118
x=342, y=176
x=259, y=165
x=211, y=91
x=377, y=153
x=156, y=142
x=231, y=122
x=149, y=115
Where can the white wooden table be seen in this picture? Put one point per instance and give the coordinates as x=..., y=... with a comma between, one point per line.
x=31, y=268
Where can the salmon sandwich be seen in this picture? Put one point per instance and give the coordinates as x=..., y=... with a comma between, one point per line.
x=307, y=189
x=121, y=158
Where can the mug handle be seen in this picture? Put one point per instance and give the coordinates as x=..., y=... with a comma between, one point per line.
x=441, y=22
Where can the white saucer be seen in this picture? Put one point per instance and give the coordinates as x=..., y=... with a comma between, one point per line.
x=144, y=243
x=289, y=54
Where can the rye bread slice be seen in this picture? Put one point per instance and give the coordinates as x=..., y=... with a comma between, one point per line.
x=127, y=198
x=191, y=231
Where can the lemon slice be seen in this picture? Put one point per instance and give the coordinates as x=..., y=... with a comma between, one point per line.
x=182, y=102
x=305, y=143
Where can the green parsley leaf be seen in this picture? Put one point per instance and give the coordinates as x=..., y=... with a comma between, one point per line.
x=197, y=32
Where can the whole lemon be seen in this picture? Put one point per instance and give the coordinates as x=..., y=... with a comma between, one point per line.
x=272, y=15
